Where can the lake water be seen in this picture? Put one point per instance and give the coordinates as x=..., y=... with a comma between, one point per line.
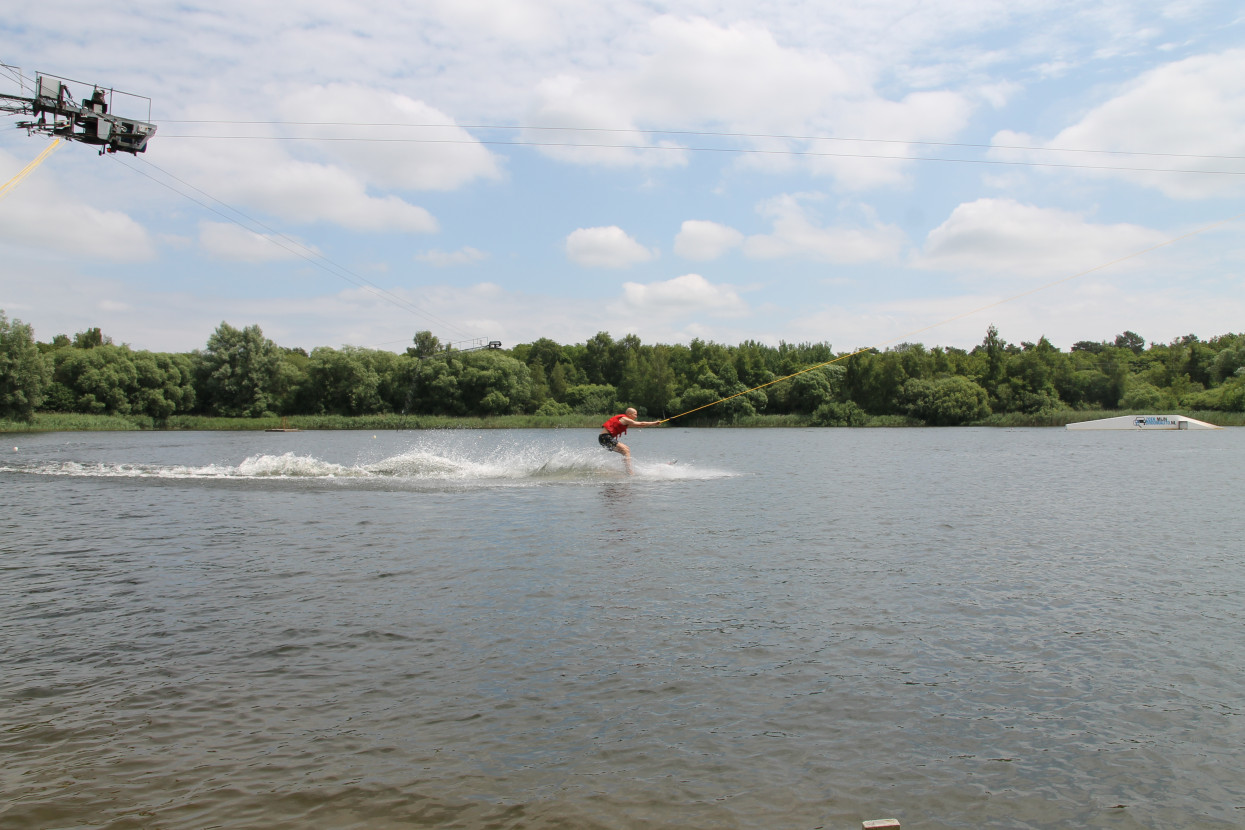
x=957, y=628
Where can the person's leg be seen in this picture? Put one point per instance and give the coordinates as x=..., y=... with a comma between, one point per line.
x=626, y=454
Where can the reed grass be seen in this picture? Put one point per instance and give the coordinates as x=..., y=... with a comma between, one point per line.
x=384, y=422
x=77, y=422
x=73, y=422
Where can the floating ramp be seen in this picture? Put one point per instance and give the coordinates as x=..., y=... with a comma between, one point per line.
x=1146, y=422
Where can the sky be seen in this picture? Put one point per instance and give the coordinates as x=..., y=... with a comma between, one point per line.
x=855, y=173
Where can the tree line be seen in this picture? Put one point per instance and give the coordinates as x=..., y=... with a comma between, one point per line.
x=242, y=373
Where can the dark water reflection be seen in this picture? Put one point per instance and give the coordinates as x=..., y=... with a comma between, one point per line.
x=1025, y=628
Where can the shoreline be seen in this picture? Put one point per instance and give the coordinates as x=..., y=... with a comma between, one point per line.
x=71, y=422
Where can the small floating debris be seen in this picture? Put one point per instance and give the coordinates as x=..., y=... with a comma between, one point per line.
x=285, y=427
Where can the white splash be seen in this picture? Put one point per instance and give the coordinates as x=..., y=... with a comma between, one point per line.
x=505, y=464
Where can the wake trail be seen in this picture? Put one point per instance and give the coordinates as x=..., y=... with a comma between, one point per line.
x=514, y=464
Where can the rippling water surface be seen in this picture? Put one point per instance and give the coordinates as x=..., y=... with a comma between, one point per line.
x=784, y=629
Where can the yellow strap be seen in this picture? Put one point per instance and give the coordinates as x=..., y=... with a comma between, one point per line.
x=42, y=157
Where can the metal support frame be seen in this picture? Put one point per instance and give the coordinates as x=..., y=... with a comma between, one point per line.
x=54, y=112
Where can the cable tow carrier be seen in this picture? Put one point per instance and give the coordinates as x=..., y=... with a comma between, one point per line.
x=55, y=112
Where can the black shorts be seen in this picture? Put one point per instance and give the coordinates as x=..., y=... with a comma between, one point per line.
x=610, y=442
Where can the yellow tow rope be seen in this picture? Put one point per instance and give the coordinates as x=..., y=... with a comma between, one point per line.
x=26, y=171
x=1059, y=281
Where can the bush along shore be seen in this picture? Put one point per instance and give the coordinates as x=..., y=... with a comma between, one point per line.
x=73, y=422
x=243, y=380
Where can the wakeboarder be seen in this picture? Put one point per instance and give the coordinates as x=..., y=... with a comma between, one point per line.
x=612, y=429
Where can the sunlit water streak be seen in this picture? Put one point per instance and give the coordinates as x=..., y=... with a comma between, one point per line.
x=806, y=628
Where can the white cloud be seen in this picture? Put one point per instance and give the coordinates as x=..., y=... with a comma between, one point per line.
x=261, y=175
x=431, y=154
x=1152, y=298
x=919, y=116
x=690, y=293
x=702, y=240
x=444, y=259
x=304, y=192
x=43, y=213
x=795, y=235
x=221, y=240
x=1193, y=109
x=734, y=74
x=586, y=125
x=606, y=247
x=524, y=22
x=699, y=74
x=1004, y=238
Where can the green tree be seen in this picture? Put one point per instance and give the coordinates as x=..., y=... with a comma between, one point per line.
x=751, y=367
x=425, y=345
x=1182, y=390
x=24, y=373
x=540, y=384
x=1230, y=397
x=695, y=404
x=597, y=363
x=60, y=341
x=1029, y=384
x=1130, y=340
x=91, y=338
x=99, y=380
x=239, y=372
x=916, y=362
x=493, y=383
x=946, y=401
x=486, y=382
x=592, y=398
x=558, y=383
x=834, y=414
x=545, y=352
x=1139, y=395
x=813, y=389
x=164, y=384
x=717, y=395
x=875, y=381
x=434, y=388
x=1091, y=346
x=995, y=350
x=1199, y=364
x=631, y=374
x=1114, y=368
x=343, y=382
x=654, y=388
x=554, y=408
x=293, y=394
x=1229, y=362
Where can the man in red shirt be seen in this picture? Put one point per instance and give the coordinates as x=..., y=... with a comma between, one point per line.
x=615, y=427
